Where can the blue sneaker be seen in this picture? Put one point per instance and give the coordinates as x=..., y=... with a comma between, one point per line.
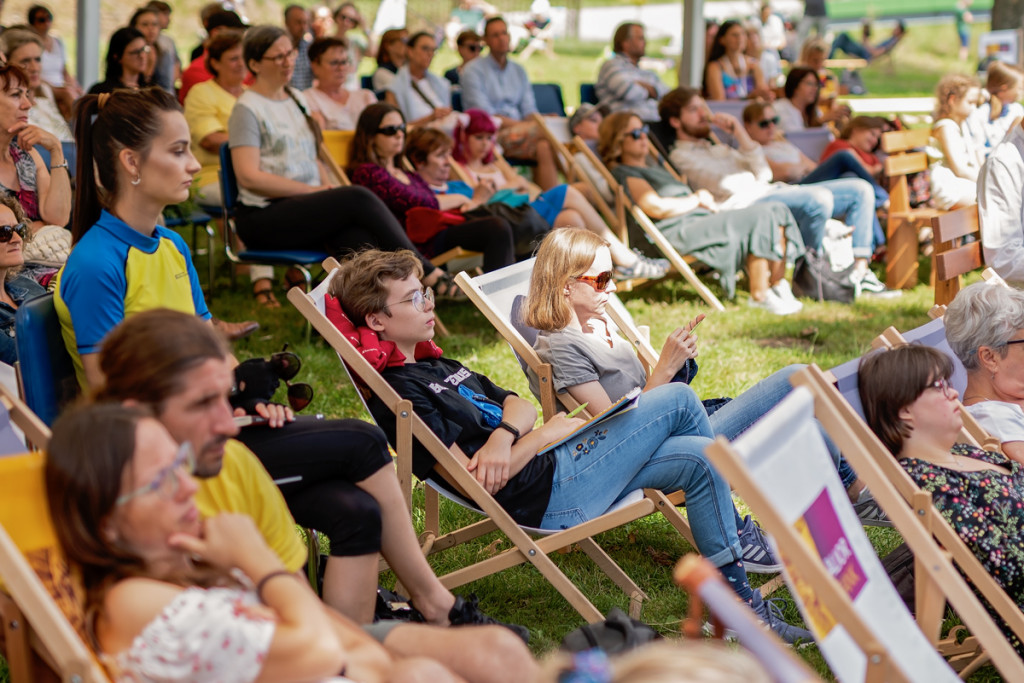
x=770, y=613
x=757, y=557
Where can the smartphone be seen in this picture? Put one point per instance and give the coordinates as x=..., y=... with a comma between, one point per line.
x=249, y=420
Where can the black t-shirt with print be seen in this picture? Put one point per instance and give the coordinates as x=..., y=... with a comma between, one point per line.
x=433, y=388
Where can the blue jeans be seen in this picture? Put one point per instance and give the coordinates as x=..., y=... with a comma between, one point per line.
x=742, y=412
x=843, y=164
x=850, y=46
x=849, y=199
x=658, y=444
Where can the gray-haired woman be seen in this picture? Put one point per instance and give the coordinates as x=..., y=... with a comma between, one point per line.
x=985, y=329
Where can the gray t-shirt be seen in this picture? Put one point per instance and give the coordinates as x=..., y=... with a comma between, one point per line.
x=280, y=131
x=577, y=358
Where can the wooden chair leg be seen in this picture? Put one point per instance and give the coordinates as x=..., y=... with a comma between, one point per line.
x=901, y=254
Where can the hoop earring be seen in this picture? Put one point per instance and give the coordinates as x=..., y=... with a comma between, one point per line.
x=138, y=179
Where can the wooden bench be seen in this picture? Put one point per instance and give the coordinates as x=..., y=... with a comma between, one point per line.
x=951, y=257
x=904, y=221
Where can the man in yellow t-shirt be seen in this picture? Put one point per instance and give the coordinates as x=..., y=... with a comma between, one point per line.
x=179, y=366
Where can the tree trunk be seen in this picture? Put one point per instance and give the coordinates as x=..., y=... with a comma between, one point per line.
x=1007, y=14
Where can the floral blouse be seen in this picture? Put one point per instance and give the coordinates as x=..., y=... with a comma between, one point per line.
x=986, y=509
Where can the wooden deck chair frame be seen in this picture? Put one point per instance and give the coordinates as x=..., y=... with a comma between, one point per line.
x=933, y=541
x=453, y=468
x=680, y=262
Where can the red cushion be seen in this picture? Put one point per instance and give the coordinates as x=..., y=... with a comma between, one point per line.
x=378, y=353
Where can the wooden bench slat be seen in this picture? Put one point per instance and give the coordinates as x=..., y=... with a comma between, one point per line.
x=904, y=164
x=958, y=261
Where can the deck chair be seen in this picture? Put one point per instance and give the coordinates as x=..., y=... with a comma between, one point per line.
x=452, y=468
x=953, y=257
x=780, y=467
x=680, y=262
x=904, y=221
x=501, y=296
x=549, y=99
x=38, y=632
x=338, y=145
x=811, y=141
x=937, y=549
x=705, y=586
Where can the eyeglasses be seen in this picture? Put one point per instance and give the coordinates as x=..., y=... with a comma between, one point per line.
x=282, y=58
x=348, y=18
x=141, y=51
x=418, y=299
x=944, y=386
x=474, y=47
x=773, y=121
x=638, y=133
x=337, y=63
x=286, y=365
x=391, y=131
x=599, y=282
x=7, y=232
x=166, y=481
x=1014, y=341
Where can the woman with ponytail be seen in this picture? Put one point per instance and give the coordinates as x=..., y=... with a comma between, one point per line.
x=287, y=200
x=133, y=160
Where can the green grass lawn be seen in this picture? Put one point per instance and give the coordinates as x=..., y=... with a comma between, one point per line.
x=738, y=347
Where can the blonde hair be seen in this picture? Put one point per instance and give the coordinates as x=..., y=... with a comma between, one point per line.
x=670, y=661
x=564, y=254
x=812, y=46
x=951, y=85
x=610, y=134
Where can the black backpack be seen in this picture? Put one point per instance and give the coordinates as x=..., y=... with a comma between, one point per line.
x=813, y=277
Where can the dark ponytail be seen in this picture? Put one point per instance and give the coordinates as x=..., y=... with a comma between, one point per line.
x=104, y=125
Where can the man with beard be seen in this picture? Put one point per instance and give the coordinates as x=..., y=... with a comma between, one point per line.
x=740, y=177
x=336, y=476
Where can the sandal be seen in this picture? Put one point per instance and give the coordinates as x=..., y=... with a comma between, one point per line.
x=263, y=292
x=446, y=289
x=293, y=277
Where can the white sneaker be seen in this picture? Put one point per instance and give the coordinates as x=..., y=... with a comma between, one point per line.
x=774, y=303
x=865, y=282
x=785, y=291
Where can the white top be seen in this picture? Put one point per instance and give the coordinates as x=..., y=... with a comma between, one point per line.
x=45, y=114
x=736, y=177
x=280, y=131
x=206, y=635
x=782, y=152
x=1005, y=421
x=413, y=105
x=773, y=33
x=995, y=130
x=53, y=63
x=790, y=118
x=1001, y=207
x=963, y=155
x=338, y=116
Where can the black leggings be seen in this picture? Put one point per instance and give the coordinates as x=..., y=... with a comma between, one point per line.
x=338, y=221
x=329, y=458
x=492, y=236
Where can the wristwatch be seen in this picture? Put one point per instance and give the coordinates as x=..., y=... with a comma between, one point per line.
x=510, y=429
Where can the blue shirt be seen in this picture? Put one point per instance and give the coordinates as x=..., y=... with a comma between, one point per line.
x=302, y=76
x=20, y=288
x=115, y=271
x=497, y=91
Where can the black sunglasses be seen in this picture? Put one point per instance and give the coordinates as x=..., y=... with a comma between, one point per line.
x=473, y=47
x=7, y=232
x=391, y=131
x=638, y=133
x=286, y=365
x=773, y=121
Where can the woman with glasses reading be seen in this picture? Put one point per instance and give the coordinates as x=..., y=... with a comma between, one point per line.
x=127, y=57
x=379, y=140
x=286, y=198
x=332, y=104
x=755, y=239
x=911, y=407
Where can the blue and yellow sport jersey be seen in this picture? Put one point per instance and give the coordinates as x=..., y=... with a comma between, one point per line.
x=115, y=271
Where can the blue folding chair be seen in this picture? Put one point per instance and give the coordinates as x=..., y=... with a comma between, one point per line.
x=46, y=372
x=549, y=99
x=588, y=93
x=366, y=82
x=70, y=155
x=297, y=258
x=199, y=219
x=457, y=100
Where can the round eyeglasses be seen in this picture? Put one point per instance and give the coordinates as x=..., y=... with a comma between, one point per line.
x=418, y=300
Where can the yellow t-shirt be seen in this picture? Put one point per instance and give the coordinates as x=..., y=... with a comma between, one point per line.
x=244, y=486
x=207, y=110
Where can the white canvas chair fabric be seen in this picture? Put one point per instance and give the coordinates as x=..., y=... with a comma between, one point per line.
x=782, y=469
